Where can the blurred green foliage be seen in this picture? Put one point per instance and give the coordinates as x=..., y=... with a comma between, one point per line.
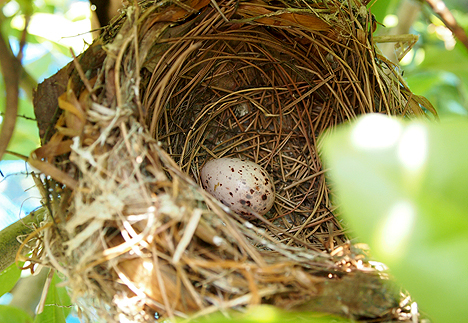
x=402, y=189
x=441, y=75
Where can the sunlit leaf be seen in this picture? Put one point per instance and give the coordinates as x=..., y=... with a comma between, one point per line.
x=12, y=314
x=402, y=187
x=8, y=279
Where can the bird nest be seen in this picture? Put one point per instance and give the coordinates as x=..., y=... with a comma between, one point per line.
x=169, y=85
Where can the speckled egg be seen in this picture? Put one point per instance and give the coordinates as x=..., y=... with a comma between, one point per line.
x=241, y=185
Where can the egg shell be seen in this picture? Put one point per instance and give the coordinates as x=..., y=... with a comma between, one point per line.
x=241, y=185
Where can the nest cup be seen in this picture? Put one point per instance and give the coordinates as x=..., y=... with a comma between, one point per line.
x=171, y=85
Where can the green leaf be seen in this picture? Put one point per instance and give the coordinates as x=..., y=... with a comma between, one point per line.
x=57, y=304
x=8, y=279
x=12, y=314
x=403, y=190
x=268, y=314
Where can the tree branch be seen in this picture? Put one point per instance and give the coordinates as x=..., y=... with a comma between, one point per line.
x=10, y=66
x=9, y=243
x=439, y=7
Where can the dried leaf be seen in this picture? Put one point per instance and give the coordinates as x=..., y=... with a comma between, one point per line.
x=53, y=148
x=177, y=13
x=268, y=17
x=53, y=172
x=75, y=118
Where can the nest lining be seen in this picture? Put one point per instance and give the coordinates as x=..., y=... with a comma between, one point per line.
x=174, y=85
